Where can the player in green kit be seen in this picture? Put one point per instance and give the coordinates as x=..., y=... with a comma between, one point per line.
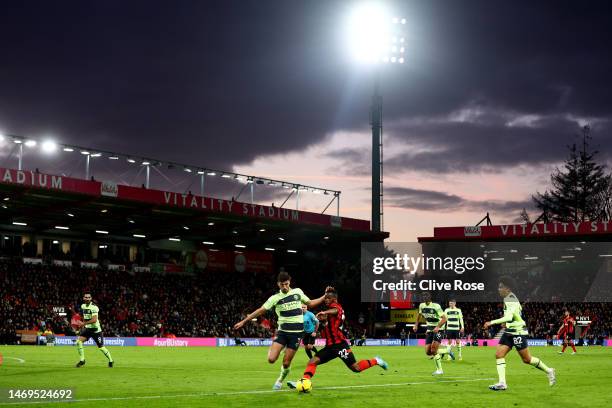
x=91, y=328
x=454, y=326
x=515, y=336
x=435, y=317
x=287, y=304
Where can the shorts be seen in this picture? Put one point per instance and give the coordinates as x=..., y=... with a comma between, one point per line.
x=92, y=334
x=519, y=341
x=308, y=339
x=433, y=337
x=453, y=334
x=342, y=350
x=289, y=340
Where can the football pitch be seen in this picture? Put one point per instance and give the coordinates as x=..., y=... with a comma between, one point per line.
x=241, y=377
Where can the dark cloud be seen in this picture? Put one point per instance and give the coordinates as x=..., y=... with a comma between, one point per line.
x=221, y=83
x=428, y=200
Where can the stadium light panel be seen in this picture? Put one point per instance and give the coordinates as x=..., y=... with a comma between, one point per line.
x=130, y=160
x=185, y=227
x=1, y=137
x=211, y=224
x=200, y=172
x=292, y=251
x=262, y=230
x=270, y=249
x=61, y=227
x=208, y=243
x=368, y=32
x=31, y=143
x=113, y=157
x=49, y=146
x=101, y=232
x=146, y=163
x=139, y=236
x=68, y=149
x=187, y=169
x=281, y=238
x=102, y=246
x=96, y=155
x=4, y=206
x=18, y=141
x=225, y=175
x=211, y=173
x=240, y=246
x=23, y=224
x=84, y=152
x=174, y=239
x=6, y=199
x=70, y=214
x=55, y=241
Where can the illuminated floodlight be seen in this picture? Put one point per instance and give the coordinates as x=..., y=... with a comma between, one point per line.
x=201, y=172
x=187, y=169
x=85, y=152
x=18, y=141
x=139, y=236
x=1, y=137
x=174, y=239
x=96, y=155
x=68, y=149
x=226, y=175
x=49, y=146
x=31, y=143
x=369, y=32
x=208, y=243
x=61, y=227
x=146, y=163
x=211, y=173
x=131, y=160
x=113, y=157
x=22, y=224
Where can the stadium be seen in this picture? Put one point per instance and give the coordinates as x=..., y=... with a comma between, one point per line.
x=135, y=279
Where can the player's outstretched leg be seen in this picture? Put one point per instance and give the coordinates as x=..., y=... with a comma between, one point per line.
x=539, y=364
x=80, y=349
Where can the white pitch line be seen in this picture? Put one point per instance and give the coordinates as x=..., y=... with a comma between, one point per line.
x=21, y=360
x=222, y=394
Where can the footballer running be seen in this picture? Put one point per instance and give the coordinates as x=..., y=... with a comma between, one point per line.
x=90, y=328
x=435, y=318
x=454, y=326
x=515, y=335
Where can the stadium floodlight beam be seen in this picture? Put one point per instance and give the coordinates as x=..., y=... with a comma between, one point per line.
x=375, y=37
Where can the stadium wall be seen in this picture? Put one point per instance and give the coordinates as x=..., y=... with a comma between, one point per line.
x=229, y=342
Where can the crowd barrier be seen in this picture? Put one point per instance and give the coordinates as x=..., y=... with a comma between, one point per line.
x=252, y=342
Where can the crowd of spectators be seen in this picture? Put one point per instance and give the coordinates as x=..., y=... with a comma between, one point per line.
x=207, y=304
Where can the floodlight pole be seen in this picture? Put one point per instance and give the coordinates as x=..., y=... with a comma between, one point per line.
x=297, y=198
x=20, y=156
x=376, y=117
x=148, y=174
x=202, y=184
x=253, y=192
x=338, y=204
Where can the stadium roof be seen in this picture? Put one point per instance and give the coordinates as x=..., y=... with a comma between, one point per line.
x=89, y=209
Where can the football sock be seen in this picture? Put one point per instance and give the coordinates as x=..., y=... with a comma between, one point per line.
x=106, y=353
x=283, y=374
x=459, y=348
x=438, y=361
x=310, y=370
x=80, y=350
x=573, y=347
x=365, y=364
x=501, y=370
x=564, y=347
x=537, y=363
x=309, y=353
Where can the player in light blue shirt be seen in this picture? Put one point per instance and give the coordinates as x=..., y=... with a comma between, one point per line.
x=311, y=326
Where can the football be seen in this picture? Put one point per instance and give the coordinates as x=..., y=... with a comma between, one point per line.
x=304, y=385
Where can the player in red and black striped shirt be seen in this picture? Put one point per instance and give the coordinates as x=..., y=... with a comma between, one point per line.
x=566, y=331
x=336, y=344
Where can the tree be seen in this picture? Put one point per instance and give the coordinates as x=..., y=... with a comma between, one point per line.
x=581, y=191
x=525, y=216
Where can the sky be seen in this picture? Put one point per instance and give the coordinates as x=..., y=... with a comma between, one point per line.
x=476, y=119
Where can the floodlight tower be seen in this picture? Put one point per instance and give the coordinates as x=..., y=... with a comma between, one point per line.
x=376, y=38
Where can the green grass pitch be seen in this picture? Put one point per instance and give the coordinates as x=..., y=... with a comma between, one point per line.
x=241, y=377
